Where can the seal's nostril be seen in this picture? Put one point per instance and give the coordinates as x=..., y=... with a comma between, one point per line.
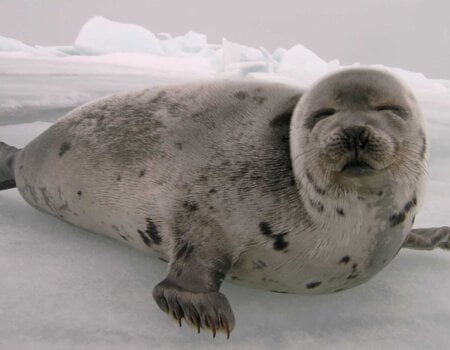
x=357, y=136
x=354, y=132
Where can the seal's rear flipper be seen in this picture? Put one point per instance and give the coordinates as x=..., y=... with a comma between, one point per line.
x=428, y=238
x=7, y=159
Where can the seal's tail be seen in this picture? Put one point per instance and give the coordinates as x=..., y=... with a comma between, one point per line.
x=7, y=155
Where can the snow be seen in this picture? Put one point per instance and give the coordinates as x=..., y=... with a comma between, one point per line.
x=62, y=287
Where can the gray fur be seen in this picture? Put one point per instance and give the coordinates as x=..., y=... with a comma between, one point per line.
x=235, y=179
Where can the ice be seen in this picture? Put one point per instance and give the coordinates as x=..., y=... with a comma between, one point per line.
x=101, y=36
x=191, y=42
x=10, y=44
x=302, y=63
x=101, y=40
x=63, y=288
x=238, y=60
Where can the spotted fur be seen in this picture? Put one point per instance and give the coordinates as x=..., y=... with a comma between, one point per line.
x=259, y=182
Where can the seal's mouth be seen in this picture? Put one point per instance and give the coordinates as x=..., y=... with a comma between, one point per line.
x=357, y=168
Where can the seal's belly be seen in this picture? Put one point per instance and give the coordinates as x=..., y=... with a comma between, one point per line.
x=332, y=270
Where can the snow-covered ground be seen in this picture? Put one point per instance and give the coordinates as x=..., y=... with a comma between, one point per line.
x=62, y=287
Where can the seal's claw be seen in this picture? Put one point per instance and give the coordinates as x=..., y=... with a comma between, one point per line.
x=209, y=310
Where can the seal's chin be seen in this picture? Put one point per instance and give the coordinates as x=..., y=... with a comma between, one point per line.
x=357, y=168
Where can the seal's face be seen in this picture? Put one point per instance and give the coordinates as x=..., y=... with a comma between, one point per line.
x=359, y=126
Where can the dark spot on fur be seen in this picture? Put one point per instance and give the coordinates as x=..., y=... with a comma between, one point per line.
x=119, y=178
x=279, y=241
x=152, y=231
x=64, y=148
x=345, y=260
x=235, y=278
x=225, y=163
x=162, y=259
x=79, y=193
x=190, y=206
x=212, y=190
x=316, y=205
x=124, y=237
x=340, y=211
x=179, y=145
x=211, y=207
x=398, y=218
x=338, y=290
x=310, y=178
x=279, y=291
x=265, y=229
x=184, y=252
x=412, y=203
x=311, y=285
x=413, y=219
x=353, y=274
x=142, y=172
x=241, y=95
x=380, y=193
x=150, y=235
x=145, y=239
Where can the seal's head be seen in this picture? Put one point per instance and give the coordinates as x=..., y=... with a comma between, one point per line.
x=358, y=128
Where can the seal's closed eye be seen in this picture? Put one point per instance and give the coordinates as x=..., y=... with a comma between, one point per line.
x=397, y=110
x=318, y=115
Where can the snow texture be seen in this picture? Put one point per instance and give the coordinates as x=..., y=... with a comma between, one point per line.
x=64, y=288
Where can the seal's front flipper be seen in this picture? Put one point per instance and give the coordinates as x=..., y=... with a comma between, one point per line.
x=191, y=289
x=428, y=238
x=7, y=158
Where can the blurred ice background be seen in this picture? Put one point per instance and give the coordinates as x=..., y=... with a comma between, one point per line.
x=63, y=288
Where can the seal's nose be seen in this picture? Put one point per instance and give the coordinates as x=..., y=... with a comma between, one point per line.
x=356, y=137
